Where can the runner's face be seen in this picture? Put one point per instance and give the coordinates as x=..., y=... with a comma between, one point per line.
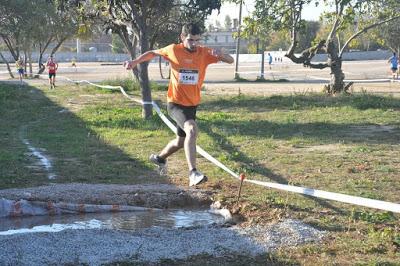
x=190, y=41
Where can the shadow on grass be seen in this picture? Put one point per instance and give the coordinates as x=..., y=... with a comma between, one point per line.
x=318, y=131
x=303, y=102
x=77, y=153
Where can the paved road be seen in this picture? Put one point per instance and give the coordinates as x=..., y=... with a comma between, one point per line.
x=219, y=79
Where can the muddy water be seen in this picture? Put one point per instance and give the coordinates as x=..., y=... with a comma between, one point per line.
x=121, y=220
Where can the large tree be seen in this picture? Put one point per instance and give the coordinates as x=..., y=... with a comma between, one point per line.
x=13, y=15
x=389, y=36
x=287, y=15
x=148, y=23
x=27, y=25
x=58, y=23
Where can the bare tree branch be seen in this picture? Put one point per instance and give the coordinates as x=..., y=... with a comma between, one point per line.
x=339, y=12
x=307, y=55
x=365, y=30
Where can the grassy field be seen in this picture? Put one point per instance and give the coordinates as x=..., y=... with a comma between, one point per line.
x=345, y=144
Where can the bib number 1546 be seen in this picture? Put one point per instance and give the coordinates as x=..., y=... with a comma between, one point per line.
x=188, y=76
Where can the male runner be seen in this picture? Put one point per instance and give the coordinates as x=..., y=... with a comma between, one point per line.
x=270, y=60
x=188, y=61
x=394, y=63
x=52, y=67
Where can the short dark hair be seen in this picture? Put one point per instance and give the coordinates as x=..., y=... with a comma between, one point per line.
x=191, y=28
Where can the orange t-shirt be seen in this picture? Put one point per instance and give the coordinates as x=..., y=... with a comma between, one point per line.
x=188, y=70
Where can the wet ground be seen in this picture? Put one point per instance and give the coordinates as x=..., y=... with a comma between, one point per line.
x=146, y=237
x=110, y=220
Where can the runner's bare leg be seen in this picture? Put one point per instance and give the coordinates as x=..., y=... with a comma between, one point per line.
x=173, y=146
x=191, y=130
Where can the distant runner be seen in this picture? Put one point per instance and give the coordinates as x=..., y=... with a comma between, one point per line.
x=394, y=63
x=52, y=67
x=188, y=62
x=73, y=63
x=270, y=60
x=19, y=64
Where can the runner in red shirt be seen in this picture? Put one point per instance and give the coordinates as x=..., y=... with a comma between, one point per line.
x=52, y=67
x=188, y=61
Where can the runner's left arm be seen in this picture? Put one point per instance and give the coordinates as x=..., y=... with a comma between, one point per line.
x=147, y=56
x=222, y=56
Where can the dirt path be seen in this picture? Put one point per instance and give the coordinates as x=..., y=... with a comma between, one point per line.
x=220, y=76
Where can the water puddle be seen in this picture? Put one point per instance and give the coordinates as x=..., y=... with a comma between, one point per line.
x=120, y=220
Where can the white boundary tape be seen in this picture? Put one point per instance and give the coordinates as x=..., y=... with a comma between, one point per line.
x=366, y=202
x=371, y=203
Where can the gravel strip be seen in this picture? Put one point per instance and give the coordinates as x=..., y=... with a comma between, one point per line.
x=150, y=195
x=96, y=247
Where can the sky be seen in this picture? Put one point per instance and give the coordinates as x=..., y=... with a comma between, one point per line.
x=309, y=12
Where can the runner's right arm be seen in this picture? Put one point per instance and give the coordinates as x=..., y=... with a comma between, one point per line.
x=147, y=56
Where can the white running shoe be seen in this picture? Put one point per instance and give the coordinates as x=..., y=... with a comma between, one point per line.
x=161, y=163
x=196, y=178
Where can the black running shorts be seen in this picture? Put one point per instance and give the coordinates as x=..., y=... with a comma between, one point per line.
x=181, y=114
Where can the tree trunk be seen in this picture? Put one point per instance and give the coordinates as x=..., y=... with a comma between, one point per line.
x=133, y=56
x=25, y=64
x=7, y=64
x=14, y=52
x=147, y=111
x=30, y=63
x=337, y=77
x=336, y=84
x=60, y=42
x=42, y=68
x=262, y=64
x=42, y=49
x=159, y=66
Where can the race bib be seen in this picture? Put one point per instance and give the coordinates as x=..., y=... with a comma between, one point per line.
x=188, y=76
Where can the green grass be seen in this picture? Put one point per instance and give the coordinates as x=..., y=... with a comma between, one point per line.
x=346, y=144
x=131, y=85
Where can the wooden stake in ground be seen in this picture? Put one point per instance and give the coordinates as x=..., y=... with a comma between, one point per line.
x=242, y=177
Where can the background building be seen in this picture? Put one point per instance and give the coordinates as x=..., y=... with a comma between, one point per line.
x=224, y=39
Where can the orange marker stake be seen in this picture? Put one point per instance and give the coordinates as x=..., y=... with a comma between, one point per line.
x=242, y=177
